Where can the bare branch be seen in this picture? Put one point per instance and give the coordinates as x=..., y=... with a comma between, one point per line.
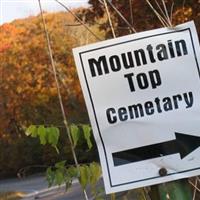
x=162, y=20
x=109, y=18
x=79, y=20
x=195, y=189
x=171, y=13
x=190, y=182
x=131, y=11
x=166, y=13
x=123, y=18
x=59, y=92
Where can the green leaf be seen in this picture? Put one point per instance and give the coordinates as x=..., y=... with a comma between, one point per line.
x=50, y=176
x=53, y=135
x=60, y=164
x=95, y=173
x=31, y=131
x=59, y=177
x=99, y=193
x=75, y=133
x=87, y=135
x=42, y=134
x=70, y=175
x=72, y=172
x=84, y=175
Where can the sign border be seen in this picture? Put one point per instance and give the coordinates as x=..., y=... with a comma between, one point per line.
x=94, y=111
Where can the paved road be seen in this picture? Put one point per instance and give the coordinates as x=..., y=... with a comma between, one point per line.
x=74, y=193
x=36, y=187
x=26, y=185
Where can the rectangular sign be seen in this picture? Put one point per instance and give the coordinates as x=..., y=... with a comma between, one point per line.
x=142, y=93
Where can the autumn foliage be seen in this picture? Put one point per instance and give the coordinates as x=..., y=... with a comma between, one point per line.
x=27, y=82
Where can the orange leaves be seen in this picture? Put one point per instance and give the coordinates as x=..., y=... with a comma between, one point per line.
x=27, y=83
x=4, y=47
x=183, y=14
x=8, y=35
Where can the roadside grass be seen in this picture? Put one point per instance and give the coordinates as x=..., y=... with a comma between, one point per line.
x=11, y=195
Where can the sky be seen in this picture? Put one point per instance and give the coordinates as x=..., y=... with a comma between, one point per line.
x=16, y=9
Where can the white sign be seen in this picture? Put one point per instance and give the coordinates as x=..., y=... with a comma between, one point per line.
x=143, y=97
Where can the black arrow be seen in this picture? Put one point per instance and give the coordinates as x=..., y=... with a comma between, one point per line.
x=183, y=144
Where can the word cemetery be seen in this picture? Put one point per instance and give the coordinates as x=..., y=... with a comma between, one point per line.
x=149, y=108
x=141, y=57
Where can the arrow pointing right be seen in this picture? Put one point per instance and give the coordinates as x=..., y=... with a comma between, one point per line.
x=183, y=144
